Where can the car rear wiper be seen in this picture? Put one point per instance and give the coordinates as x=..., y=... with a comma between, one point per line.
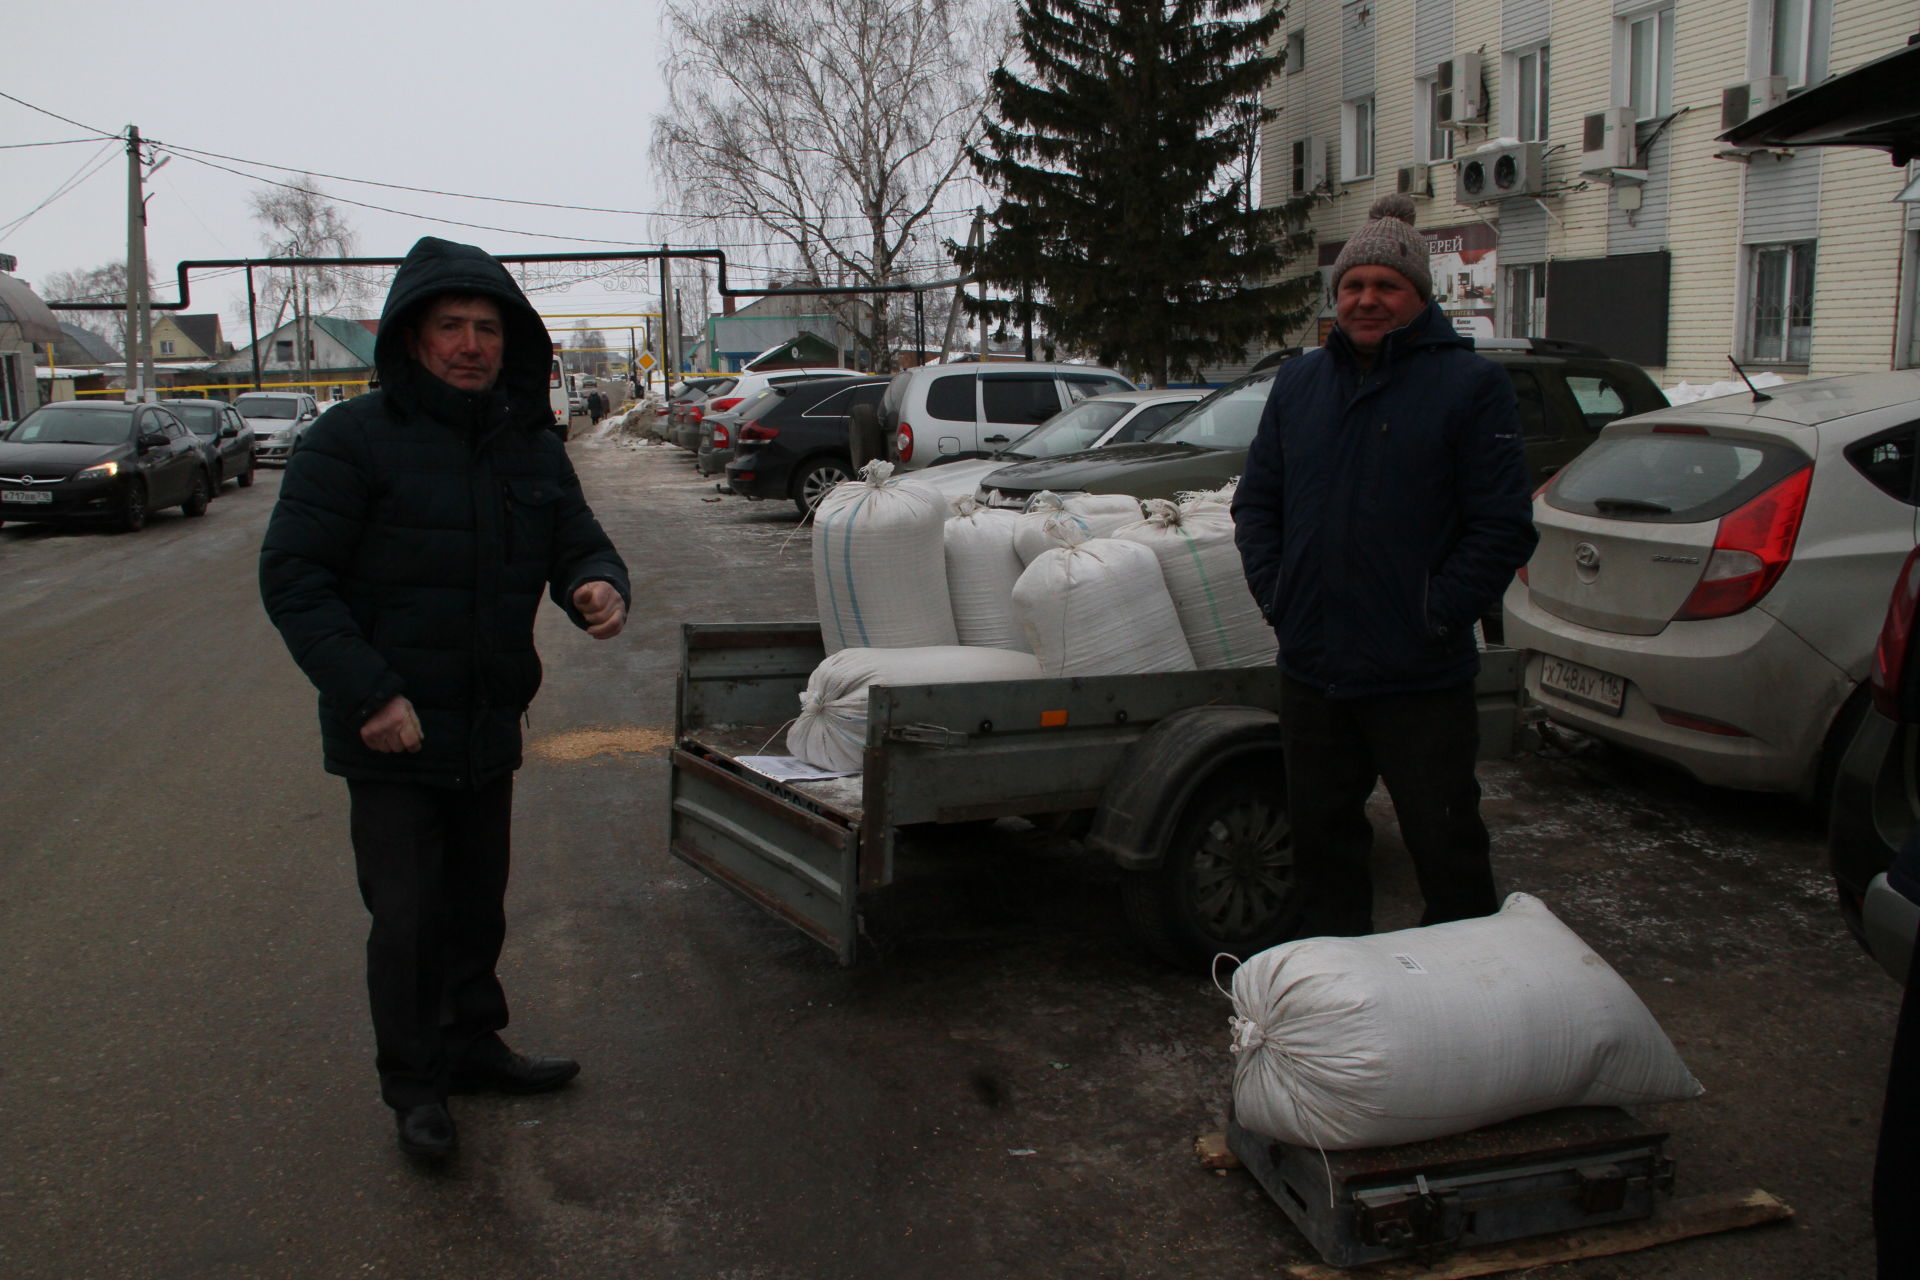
x=1637, y=505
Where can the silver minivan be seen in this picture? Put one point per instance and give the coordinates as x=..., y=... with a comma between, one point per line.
x=969, y=410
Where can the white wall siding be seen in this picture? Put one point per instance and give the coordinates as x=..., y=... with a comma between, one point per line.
x=1358, y=20
x=1782, y=199
x=1432, y=34
x=1525, y=22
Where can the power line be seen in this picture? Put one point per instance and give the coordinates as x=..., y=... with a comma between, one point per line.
x=57, y=116
x=98, y=160
x=62, y=142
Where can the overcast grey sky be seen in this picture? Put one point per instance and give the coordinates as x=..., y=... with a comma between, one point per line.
x=545, y=102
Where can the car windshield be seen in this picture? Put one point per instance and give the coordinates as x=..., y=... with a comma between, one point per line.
x=204, y=419
x=1669, y=476
x=1068, y=431
x=62, y=424
x=266, y=407
x=1223, y=421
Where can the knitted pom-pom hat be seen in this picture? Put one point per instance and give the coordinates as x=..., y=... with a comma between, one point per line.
x=1389, y=240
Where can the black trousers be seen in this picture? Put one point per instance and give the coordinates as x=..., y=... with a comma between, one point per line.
x=1896, y=1166
x=1423, y=746
x=433, y=867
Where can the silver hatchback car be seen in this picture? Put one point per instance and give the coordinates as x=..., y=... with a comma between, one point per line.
x=1710, y=578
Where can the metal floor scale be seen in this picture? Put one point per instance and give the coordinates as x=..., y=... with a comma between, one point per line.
x=1556, y=1171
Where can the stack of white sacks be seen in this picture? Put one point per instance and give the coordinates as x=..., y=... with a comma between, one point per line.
x=916, y=587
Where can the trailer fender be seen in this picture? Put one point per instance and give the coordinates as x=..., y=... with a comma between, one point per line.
x=1144, y=798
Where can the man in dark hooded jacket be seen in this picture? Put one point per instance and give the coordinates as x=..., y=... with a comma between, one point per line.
x=416, y=529
x=1383, y=510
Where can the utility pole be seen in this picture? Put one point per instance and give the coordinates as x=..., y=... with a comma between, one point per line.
x=666, y=317
x=974, y=239
x=136, y=272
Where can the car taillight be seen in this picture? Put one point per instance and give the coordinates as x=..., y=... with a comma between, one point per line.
x=903, y=443
x=754, y=431
x=1750, y=551
x=720, y=436
x=697, y=412
x=721, y=406
x=1896, y=638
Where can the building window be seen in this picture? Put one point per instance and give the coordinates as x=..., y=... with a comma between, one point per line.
x=1307, y=165
x=1644, y=57
x=1780, y=303
x=1789, y=39
x=1523, y=296
x=1525, y=113
x=166, y=347
x=283, y=351
x=1433, y=140
x=1296, y=51
x=1356, y=139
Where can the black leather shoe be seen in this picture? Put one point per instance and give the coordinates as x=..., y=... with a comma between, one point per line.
x=516, y=1073
x=426, y=1131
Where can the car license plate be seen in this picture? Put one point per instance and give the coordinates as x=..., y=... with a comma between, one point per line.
x=1584, y=685
x=26, y=495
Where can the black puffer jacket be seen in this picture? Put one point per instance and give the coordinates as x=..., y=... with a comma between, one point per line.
x=416, y=529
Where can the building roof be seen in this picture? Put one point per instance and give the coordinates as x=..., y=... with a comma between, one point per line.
x=351, y=334
x=21, y=306
x=88, y=345
x=202, y=330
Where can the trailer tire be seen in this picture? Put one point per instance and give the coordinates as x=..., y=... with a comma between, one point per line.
x=1226, y=881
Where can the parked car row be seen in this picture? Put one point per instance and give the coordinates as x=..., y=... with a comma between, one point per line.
x=111, y=463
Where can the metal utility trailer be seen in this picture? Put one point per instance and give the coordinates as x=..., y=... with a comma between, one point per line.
x=1179, y=772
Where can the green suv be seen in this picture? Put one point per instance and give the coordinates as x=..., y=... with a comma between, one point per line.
x=1567, y=392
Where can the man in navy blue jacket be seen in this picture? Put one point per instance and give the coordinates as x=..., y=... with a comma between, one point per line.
x=1384, y=509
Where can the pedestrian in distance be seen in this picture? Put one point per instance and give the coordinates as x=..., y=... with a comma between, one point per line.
x=403, y=564
x=1384, y=508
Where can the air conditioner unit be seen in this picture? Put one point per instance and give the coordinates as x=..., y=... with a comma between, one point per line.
x=1739, y=103
x=1307, y=158
x=1415, y=180
x=1461, y=92
x=1500, y=173
x=1608, y=141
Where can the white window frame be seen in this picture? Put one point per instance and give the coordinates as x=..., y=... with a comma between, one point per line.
x=1650, y=91
x=1797, y=63
x=1432, y=143
x=166, y=346
x=1358, y=149
x=1514, y=103
x=1528, y=279
x=1296, y=50
x=1751, y=319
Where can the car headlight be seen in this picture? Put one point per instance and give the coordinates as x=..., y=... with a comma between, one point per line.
x=99, y=471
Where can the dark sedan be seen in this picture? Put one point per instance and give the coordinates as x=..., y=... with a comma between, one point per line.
x=224, y=435
x=795, y=447
x=100, y=462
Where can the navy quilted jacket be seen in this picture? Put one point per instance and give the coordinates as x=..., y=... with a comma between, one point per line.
x=416, y=530
x=1383, y=511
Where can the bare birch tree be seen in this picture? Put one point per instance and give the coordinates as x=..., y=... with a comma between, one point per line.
x=298, y=221
x=105, y=284
x=837, y=126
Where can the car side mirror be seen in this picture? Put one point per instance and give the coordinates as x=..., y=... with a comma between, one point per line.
x=152, y=440
x=227, y=432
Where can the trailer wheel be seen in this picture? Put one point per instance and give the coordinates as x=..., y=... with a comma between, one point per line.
x=1226, y=882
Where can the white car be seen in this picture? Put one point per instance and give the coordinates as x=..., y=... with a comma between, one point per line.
x=748, y=385
x=971, y=409
x=278, y=419
x=1118, y=417
x=1710, y=578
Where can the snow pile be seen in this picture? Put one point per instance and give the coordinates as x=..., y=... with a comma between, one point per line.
x=1687, y=392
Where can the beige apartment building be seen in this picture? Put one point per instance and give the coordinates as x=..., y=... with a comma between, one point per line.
x=1563, y=159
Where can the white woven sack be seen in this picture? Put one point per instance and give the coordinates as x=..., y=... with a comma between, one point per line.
x=1194, y=542
x=1203, y=499
x=880, y=563
x=1343, y=1043
x=1100, y=608
x=1051, y=521
x=981, y=570
x=831, y=731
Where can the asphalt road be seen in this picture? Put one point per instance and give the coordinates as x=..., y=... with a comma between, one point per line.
x=186, y=1084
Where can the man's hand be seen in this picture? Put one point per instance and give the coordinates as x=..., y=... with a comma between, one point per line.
x=602, y=608
x=393, y=728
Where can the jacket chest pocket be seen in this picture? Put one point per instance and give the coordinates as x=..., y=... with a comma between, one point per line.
x=531, y=508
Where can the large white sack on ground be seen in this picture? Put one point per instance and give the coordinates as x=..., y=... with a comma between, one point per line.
x=1344, y=1043
x=1201, y=564
x=982, y=567
x=880, y=563
x=831, y=731
x=1051, y=521
x=1100, y=608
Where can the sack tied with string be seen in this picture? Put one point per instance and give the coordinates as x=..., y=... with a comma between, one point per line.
x=1201, y=564
x=831, y=731
x=1346, y=1043
x=880, y=563
x=1046, y=522
x=982, y=568
x=1099, y=607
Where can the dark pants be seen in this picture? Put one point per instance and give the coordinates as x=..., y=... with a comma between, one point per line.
x=1423, y=746
x=1896, y=1168
x=433, y=871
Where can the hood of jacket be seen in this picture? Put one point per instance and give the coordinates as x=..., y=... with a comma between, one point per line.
x=434, y=267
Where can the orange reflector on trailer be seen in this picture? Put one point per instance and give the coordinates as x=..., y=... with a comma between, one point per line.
x=1052, y=719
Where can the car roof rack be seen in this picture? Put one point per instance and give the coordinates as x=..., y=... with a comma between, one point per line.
x=1542, y=346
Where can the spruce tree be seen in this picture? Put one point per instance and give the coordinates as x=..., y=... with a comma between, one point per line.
x=1125, y=224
